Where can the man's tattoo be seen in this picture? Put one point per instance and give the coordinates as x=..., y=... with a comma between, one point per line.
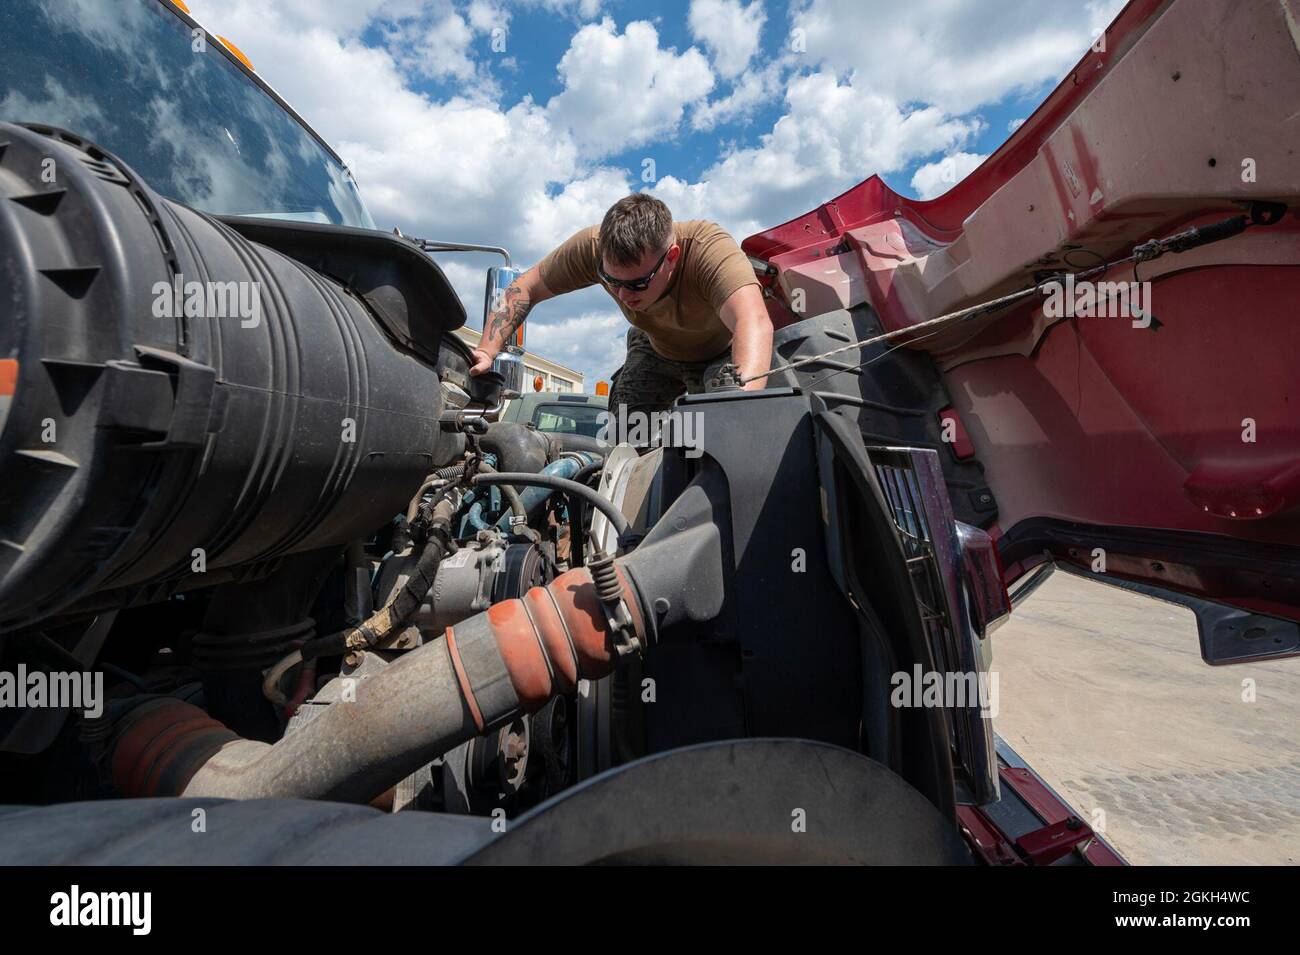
x=502, y=322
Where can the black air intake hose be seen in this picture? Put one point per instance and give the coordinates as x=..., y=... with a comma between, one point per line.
x=517, y=447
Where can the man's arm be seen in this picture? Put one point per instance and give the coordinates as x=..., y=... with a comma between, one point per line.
x=500, y=324
x=751, y=333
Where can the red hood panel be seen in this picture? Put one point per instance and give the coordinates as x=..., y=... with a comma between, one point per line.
x=1190, y=426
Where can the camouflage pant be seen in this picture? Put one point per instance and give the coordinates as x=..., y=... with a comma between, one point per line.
x=650, y=382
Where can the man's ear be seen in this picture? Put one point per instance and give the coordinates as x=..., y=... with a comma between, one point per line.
x=674, y=253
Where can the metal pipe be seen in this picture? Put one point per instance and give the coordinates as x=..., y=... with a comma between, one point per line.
x=432, y=245
x=490, y=475
x=567, y=466
x=592, y=497
x=479, y=675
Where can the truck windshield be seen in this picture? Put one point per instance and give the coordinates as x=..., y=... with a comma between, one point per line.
x=570, y=419
x=136, y=79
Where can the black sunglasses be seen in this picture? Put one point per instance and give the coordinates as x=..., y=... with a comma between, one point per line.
x=633, y=285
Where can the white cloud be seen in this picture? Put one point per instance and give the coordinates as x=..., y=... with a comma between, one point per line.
x=749, y=92
x=729, y=30
x=442, y=48
x=1015, y=124
x=548, y=219
x=833, y=135
x=449, y=43
x=344, y=17
x=457, y=168
x=880, y=105
x=935, y=178
x=624, y=90
x=485, y=16
x=951, y=54
x=581, y=9
x=593, y=342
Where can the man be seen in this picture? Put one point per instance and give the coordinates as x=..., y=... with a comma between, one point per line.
x=687, y=289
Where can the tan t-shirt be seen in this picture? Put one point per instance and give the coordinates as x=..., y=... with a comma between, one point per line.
x=684, y=324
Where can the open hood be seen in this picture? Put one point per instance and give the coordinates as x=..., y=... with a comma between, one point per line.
x=1161, y=452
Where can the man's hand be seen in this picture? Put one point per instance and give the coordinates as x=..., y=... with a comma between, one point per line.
x=751, y=333
x=499, y=324
x=482, y=361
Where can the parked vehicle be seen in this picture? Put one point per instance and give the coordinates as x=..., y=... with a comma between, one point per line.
x=249, y=489
x=560, y=412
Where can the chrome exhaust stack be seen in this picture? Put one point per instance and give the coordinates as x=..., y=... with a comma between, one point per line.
x=509, y=363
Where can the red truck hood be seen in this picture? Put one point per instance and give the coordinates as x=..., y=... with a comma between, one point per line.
x=1175, y=449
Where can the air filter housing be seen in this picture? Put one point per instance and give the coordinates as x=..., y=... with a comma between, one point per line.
x=185, y=403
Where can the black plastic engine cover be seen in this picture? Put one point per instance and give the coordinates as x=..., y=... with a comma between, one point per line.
x=142, y=443
x=782, y=658
x=892, y=395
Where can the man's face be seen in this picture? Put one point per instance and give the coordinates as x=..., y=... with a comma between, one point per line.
x=636, y=300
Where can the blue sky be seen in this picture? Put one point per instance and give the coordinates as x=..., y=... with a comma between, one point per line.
x=517, y=122
x=690, y=152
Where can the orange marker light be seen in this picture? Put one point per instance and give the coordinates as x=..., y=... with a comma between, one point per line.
x=8, y=376
x=239, y=54
x=537, y=383
x=602, y=387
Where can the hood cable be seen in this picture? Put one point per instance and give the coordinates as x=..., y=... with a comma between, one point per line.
x=1260, y=213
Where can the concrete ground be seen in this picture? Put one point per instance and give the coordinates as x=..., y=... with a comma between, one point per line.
x=1103, y=692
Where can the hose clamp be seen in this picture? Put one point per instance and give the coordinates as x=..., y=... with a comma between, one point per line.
x=609, y=589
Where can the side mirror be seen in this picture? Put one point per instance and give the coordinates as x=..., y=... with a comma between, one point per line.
x=510, y=362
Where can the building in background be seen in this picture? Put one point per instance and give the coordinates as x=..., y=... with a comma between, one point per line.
x=555, y=377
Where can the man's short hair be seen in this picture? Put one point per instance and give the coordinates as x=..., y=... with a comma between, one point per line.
x=633, y=226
